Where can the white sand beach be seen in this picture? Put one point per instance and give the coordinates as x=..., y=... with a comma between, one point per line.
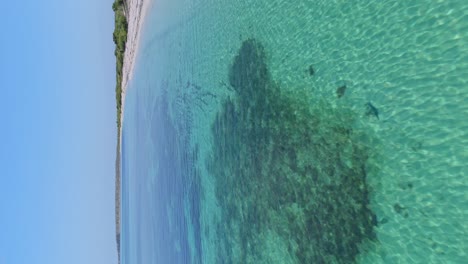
x=136, y=11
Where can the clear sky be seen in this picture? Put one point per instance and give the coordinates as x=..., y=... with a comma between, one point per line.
x=58, y=132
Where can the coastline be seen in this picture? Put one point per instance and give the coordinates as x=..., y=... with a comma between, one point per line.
x=135, y=13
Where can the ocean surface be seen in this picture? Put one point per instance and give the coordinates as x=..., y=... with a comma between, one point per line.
x=278, y=131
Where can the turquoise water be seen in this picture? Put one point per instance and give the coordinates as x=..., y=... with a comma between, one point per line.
x=298, y=132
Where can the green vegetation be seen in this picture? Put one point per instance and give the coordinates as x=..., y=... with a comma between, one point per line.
x=120, y=38
x=290, y=173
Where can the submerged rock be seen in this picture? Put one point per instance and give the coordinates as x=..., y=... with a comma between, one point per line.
x=371, y=110
x=286, y=167
x=340, y=91
x=311, y=70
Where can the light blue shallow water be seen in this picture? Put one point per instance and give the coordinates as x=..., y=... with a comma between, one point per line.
x=234, y=151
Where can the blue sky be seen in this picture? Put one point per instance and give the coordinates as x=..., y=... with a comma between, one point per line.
x=58, y=132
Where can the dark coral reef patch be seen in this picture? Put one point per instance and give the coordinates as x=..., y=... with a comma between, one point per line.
x=290, y=165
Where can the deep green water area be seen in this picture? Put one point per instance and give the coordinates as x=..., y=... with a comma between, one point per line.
x=298, y=132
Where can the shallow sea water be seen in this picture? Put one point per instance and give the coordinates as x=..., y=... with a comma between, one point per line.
x=298, y=132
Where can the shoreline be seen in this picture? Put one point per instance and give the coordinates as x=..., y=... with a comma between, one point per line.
x=135, y=12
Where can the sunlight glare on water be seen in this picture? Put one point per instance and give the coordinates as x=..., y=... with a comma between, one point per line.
x=277, y=131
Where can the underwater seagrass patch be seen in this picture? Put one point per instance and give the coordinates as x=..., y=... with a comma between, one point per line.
x=286, y=166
